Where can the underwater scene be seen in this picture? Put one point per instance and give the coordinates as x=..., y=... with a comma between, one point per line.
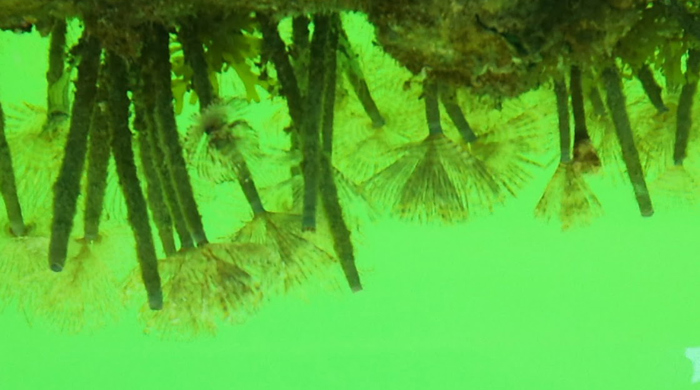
x=350, y=194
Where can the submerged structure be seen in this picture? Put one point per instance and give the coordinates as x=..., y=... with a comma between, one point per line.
x=135, y=62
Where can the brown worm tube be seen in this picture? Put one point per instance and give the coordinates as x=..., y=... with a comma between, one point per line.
x=157, y=46
x=67, y=186
x=577, y=106
x=684, y=115
x=58, y=106
x=275, y=47
x=145, y=95
x=329, y=193
x=618, y=110
x=563, y=114
x=310, y=134
x=651, y=88
x=448, y=96
x=194, y=55
x=154, y=189
x=353, y=72
x=97, y=163
x=137, y=210
x=432, y=107
x=8, y=185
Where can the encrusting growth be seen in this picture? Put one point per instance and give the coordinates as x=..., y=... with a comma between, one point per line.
x=126, y=169
x=67, y=186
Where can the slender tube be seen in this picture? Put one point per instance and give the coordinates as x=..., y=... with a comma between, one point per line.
x=126, y=169
x=448, y=95
x=194, y=55
x=147, y=93
x=67, y=186
x=299, y=50
x=154, y=190
x=8, y=185
x=157, y=46
x=577, y=106
x=353, y=72
x=276, y=49
x=300, y=34
x=618, y=110
x=97, y=163
x=310, y=134
x=58, y=105
x=329, y=193
x=245, y=178
x=563, y=115
x=684, y=116
x=651, y=88
x=432, y=107
x=330, y=88
x=597, y=101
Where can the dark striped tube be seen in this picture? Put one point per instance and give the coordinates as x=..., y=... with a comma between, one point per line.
x=577, y=106
x=194, y=55
x=684, y=115
x=276, y=49
x=618, y=110
x=126, y=169
x=353, y=72
x=449, y=100
x=67, y=186
x=154, y=189
x=432, y=107
x=562, y=97
x=310, y=134
x=299, y=50
x=58, y=105
x=8, y=185
x=146, y=92
x=651, y=88
x=597, y=101
x=97, y=163
x=329, y=193
x=157, y=46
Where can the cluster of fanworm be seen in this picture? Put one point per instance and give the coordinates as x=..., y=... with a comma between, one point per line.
x=434, y=178
x=272, y=246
